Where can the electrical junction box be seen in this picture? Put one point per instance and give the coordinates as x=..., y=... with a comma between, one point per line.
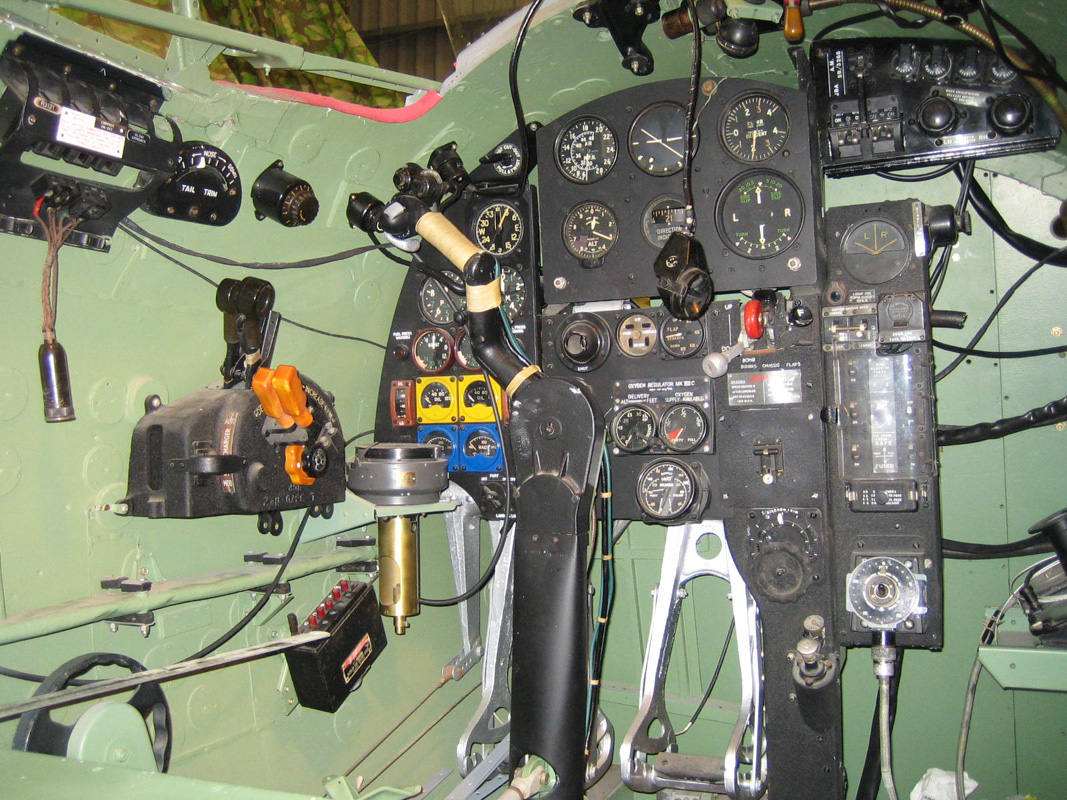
x=325, y=672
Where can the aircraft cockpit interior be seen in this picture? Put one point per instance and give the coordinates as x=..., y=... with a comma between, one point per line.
x=583, y=399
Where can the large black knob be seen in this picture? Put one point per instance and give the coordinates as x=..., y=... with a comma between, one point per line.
x=581, y=343
x=1010, y=114
x=283, y=197
x=937, y=115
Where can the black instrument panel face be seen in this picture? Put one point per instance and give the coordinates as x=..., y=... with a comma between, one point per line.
x=611, y=190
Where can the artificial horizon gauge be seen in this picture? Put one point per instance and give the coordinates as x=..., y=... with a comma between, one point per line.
x=586, y=150
x=498, y=228
x=662, y=217
x=875, y=251
x=755, y=127
x=668, y=489
x=683, y=427
x=432, y=350
x=590, y=230
x=513, y=290
x=681, y=337
x=760, y=214
x=633, y=429
x=437, y=304
x=465, y=352
x=657, y=139
x=205, y=187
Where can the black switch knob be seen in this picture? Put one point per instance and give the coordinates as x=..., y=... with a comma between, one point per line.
x=937, y=115
x=801, y=316
x=1010, y=114
x=939, y=63
x=581, y=342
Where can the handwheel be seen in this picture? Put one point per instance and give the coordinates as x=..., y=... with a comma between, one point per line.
x=37, y=732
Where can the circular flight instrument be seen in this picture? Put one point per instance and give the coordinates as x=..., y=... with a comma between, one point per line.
x=464, y=350
x=436, y=395
x=760, y=214
x=667, y=489
x=681, y=337
x=205, y=187
x=883, y=592
x=586, y=150
x=437, y=304
x=590, y=230
x=633, y=429
x=875, y=251
x=443, y=442
x=683, y=427
x=513, y=289
x=498, y=228
x=755, y=127
x=477, y=394
x=480, y=443
x=662, y=217
x=432, y=350
x=657, y=139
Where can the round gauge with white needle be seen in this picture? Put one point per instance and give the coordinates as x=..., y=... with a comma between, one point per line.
x=760, y=214
x=437, y=304
x=498, y=228
x=667, y=489
x=657, y=139
x=432, y=350
x=590, y=230
x=513, y=289
x=465, y=352
x=755, y=127
x=586, y=150
x=633, y=429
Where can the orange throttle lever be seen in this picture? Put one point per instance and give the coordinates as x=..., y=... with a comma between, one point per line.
x=263, y=386
x=290, y=391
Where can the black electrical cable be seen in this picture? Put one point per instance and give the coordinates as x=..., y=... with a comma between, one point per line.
x=359, y=435
x=263, y=600
x=18, y=674
x=346, y=337
x=871, y=778
x=524, y=133
x=901, y=177
x=131, y=227
x=1048, y=414
x=714, y=678
x=483, y=581
x=996, y=310
x=170, y=258
x=968, y=351
x=451, y=281
x=690, y=114
x=1031, y=248
x=1047, y=71
x=971, y=551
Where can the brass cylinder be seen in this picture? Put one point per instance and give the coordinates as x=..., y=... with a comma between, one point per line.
x=398, y=569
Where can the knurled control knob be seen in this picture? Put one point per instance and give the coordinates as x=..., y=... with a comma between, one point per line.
x=938, y=115
x=299, y=206
x=1010, y=114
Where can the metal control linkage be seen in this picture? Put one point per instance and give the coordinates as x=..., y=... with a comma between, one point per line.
x=485, y=728
x=463, y=528
x=741, y=773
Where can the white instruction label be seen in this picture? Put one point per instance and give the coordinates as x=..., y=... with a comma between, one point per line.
x=89, y=133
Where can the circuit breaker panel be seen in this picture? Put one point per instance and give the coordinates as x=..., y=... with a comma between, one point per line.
x=882, y=447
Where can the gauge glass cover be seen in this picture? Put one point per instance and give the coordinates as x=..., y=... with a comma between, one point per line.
x=683, y=427
x=637, y=335
x=442, y=441
x=480, y=443
x=755, y=128
x=437, y=304
x=662, y=217
x=760, y=214
x=498, y=228
x=875, y=251
x=436, y=395
x=666, y=489
x=432, y=350
x=680, y=337
x=657, y=139
x=465, y=352
x=586, y=150
x=590, y=230
x=513, y=289
x=633, y=429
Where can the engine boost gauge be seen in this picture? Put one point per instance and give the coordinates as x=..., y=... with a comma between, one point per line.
x=755, y=127
x=465, y=352
x=498, y=228
x=760, y=214
x=586, y=150
x=205, y=187
x=432, y=350
x=590, y=231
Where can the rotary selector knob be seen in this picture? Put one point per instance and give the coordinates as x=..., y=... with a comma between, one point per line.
x=938, y=115
x=1010, y=114
x=939, y=63
x=299, y=206
x=1001, y=72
